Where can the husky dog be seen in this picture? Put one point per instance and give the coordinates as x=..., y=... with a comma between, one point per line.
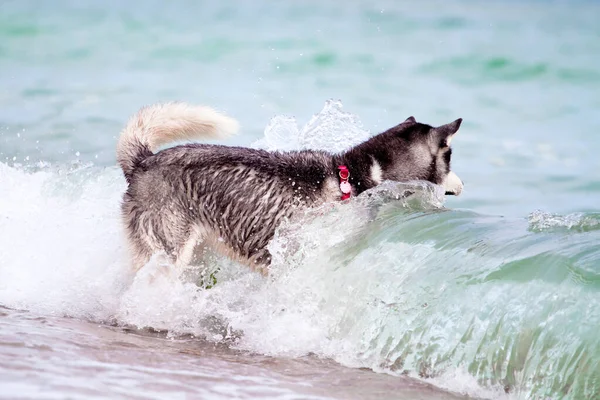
x=233, y=198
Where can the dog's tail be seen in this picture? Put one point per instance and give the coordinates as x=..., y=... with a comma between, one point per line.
x=160, y=124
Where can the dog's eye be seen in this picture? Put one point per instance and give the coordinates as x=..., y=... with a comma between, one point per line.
x=448, y=155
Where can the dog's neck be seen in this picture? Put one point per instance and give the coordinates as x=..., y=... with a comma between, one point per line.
x=365, y=166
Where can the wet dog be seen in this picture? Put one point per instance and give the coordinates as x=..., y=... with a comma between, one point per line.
x=233, y=198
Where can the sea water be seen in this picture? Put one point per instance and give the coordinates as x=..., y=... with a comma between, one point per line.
x=494, y=294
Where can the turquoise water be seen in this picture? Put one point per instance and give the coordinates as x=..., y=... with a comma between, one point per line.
x=494, y=294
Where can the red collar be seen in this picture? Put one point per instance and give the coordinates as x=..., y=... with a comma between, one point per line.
x=344, y=184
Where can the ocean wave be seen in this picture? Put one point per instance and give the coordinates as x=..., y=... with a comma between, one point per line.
x=391, y=281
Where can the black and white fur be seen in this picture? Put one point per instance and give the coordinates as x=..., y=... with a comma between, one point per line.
x=233, y=198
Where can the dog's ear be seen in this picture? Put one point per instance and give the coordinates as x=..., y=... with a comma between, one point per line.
x=446, y=132
x=400, y=128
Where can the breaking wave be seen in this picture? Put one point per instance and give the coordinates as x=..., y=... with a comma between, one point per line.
x=391, y=281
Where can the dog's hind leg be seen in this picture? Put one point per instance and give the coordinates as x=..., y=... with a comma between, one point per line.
x=185, y=252
x=140, y=254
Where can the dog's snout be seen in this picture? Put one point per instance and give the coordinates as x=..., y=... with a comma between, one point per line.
x=453, y=185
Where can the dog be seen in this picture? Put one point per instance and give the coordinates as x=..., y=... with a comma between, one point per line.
x=233, y=198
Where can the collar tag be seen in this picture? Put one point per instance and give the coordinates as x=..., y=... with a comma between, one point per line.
x=345, y=186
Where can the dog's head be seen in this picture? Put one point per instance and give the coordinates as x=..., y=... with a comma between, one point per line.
x=415, y=151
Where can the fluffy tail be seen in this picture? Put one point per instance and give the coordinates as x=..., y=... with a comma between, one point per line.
x=160, y=124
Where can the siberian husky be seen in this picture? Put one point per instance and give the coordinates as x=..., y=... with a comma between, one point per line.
x=233, y=198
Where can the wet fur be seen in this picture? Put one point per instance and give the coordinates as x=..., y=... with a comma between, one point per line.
x=233, y=198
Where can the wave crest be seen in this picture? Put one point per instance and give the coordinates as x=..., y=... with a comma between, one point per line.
x=540, y=221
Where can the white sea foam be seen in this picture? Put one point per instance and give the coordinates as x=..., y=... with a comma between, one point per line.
x=62, y=247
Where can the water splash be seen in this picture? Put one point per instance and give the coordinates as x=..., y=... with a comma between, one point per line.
x=332, y=129
x=62, y=247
